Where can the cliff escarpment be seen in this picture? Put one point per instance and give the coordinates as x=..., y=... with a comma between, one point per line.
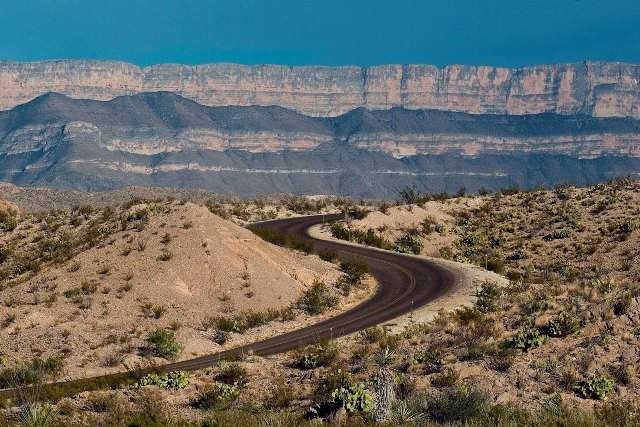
x=597, y=89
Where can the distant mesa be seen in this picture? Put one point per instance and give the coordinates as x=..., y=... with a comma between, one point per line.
x=598, y=89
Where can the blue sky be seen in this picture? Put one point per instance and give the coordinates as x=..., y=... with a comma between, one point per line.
x=328, y=32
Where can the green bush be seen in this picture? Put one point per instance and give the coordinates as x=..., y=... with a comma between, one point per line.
x=163, y=343
x=369, y=237
x=354, y=269
x=317, y=299
x=595, y=387
x=36, y=415
x=433, y=359
x=8, y=220
x=175, y=380
x=488, y=297
x=314, y=356
x=628, y=226
x=335, y=377
x=564, y=325
x=557, y=234
x=217, y=396
x=281, y=238
x=447, y=378
x=234, y=374
x=408, y=244
x=327, y=254
x=528, y=337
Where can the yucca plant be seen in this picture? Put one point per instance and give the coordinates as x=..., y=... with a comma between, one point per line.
x=36, y=415
x=384, y=381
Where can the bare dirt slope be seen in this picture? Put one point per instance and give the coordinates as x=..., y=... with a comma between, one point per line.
x=181, y=267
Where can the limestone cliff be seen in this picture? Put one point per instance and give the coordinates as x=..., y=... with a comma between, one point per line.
x=599, y=89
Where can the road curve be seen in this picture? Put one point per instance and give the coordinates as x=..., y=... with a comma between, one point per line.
x=405, y=283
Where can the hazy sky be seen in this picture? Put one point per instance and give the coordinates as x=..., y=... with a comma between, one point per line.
x=329, y=32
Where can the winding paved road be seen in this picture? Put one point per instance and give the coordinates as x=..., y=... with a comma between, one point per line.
x=405, y=283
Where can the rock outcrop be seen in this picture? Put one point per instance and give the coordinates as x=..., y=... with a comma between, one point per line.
x=598, y=89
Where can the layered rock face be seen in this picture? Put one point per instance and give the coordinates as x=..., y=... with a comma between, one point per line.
x=598, y=89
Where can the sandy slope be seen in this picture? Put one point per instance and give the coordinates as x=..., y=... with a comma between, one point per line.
x=216, y=267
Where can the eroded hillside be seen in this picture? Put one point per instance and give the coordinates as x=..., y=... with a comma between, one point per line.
x=89, y=285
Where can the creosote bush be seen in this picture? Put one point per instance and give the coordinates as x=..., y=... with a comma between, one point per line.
x=488, y=297
x=317, y=299
x=322, y=354
x=163, y=343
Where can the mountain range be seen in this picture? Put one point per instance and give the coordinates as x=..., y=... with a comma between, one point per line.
x=567, y=123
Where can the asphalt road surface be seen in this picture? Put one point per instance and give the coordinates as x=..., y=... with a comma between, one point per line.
x=405, y=284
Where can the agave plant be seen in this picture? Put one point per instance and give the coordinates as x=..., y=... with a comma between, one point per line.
x=384, y=380
x=36, y=415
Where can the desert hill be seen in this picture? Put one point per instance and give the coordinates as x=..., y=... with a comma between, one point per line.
x=570, y=312
x=156, y=265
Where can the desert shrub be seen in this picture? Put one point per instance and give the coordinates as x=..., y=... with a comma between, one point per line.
x=327, y=254
x=409, y=195
x=226, y=324
x=455, y=405
x=408, y=244
x=8, y=220
x=528, y=337
x=281, y=394
x=503, y=358
x=432, y=359
x=357, y=212
x=594, y=387
x=354, y=269
x=488, y=297
x=371, y=335
x=281, y=238
x=314, y=356
x=163, y=343
x=447, y=378
x=317, y=299
x=217, y=396
x=165, y=255
x=369, y=237
x=563, y=325
x=335, y=377
x=220, y=337
x=557, y=234
x=234, y=373
x=496, y=265
x=621, y=373
x=175, y=380
x=621, y=303
x=628, y=226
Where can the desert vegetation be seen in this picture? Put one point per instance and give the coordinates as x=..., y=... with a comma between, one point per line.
x=556, y=346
